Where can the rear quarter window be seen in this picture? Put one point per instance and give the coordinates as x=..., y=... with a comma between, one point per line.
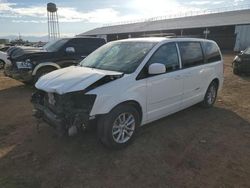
x=212, y=53
x=191, y=54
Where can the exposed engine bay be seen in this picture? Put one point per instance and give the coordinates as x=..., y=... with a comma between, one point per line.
x=68, y=113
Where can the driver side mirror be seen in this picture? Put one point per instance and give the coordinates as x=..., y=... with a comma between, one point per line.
x=70, y=50
x=156, y=68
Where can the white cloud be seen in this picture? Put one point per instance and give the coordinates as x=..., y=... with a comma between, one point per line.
x=234, y=2
x=237, y=2
x=65, y=14
x=140, y=9
x=29, y=21
x=68, y=14
x=34, y=11
x=217, y=2
x=206, y=2
x=6, y=6
x=160, y=8
x=37, y=14
x=199, y=2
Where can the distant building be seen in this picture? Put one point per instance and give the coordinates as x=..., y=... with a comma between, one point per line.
x=230, y=29
x=4, y=41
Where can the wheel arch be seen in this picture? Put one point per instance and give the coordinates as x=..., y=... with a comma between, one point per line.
x=217, y=81
x=136, y=105
x=131, y=102
x=43, y=65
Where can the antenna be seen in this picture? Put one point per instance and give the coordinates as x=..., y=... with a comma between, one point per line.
x=53, y=24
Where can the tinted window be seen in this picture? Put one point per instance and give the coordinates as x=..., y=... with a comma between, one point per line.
x=55, y=45
x=211, y=52
x=167, y=55
x=191, y=54
x=85, y=46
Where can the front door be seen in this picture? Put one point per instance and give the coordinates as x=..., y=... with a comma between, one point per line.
x=164, y=91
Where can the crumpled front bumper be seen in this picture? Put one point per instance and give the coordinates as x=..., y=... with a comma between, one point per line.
x=47, y=115
x=64, y=112
x=24, y=75
x=61, y=124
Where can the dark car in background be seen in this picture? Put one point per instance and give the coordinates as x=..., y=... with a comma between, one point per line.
x=241, y=62
x=29, y=64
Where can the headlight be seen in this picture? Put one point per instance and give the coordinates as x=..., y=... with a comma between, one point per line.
x=237, y=58
x=80, y=100
x=24, y=64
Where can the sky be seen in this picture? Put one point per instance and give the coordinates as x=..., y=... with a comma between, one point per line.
x=29, y=17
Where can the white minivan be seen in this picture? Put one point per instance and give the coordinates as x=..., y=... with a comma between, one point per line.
x=128, y=83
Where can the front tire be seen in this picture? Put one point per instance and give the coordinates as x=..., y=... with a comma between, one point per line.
x=42, y=71
x=211, y=95
x=117, y=129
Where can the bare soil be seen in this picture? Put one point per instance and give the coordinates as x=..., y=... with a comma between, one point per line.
x=193, y=148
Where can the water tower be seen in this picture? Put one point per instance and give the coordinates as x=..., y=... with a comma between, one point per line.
x=53, y=24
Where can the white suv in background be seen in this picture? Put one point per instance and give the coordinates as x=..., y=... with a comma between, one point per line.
x=129, y=83
x=3, y=59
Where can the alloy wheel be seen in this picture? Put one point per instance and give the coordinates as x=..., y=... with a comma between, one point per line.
x=211, y=95
x=123, y=127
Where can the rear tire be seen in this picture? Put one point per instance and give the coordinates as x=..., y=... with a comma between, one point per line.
x=118, y=128
x=42, y=71
x=211, y=95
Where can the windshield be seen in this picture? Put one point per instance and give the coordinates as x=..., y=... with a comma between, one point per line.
x=55, y=45
x=118, y=56
x=247, y=51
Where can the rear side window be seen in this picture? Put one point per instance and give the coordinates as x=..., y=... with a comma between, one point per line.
x=211, y=52
x=167, y=55
x=191, y=54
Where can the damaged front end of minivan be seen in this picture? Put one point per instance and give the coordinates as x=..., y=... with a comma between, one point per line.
x=67, y=111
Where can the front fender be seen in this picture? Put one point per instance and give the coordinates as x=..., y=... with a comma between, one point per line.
x=105, y=103
x=45, y=64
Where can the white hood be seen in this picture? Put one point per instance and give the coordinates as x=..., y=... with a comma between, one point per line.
x=74, y=78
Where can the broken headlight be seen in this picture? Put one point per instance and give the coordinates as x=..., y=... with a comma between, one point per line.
x=81, y=101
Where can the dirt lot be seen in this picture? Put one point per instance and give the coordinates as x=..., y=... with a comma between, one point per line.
x=193, y=148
